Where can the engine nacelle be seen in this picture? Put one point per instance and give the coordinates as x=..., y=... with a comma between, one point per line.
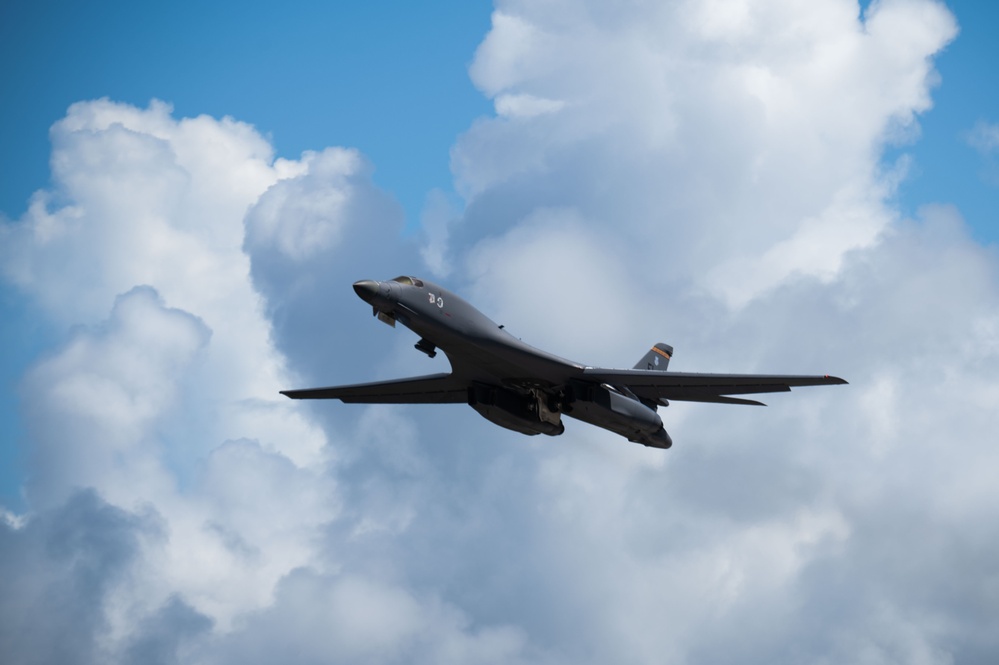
x=527, y=414
x=606, y=407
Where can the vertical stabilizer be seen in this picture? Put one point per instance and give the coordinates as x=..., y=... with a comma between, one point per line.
x=657, y=358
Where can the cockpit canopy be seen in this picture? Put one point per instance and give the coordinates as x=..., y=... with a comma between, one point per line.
x=408, y=281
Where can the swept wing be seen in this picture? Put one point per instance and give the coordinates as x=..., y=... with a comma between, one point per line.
x=697, y=387
x=430, y=389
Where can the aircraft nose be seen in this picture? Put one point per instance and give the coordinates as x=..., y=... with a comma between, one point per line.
x=366, y=289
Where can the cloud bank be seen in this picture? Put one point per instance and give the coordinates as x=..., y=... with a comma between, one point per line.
x=703, y=173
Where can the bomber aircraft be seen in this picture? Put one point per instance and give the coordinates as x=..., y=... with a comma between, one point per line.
x=528, y=390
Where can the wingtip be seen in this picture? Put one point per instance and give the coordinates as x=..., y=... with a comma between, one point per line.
x=835, y=380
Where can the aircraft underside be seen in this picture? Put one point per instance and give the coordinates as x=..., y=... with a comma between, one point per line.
x=539, y=412
x=527, y=390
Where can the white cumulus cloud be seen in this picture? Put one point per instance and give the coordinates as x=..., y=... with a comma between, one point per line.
x=984, y=137
x=706, y=173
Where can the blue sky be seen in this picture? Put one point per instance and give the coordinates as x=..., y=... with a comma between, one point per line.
x=947, y=169
x=389, y=78
x=386, y=77
x=190, y=278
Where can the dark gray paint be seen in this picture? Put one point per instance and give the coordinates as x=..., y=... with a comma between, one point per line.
x=528, y=390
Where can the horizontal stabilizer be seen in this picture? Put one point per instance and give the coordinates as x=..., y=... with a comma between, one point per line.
x=718, y=399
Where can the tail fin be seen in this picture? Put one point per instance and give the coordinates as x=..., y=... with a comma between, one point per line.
x=657, y=358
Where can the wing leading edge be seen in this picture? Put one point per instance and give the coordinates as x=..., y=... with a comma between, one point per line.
x=430, y=389
x=697, y=387
x=647, y=384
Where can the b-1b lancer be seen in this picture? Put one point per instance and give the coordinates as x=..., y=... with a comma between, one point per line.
x=528, y=390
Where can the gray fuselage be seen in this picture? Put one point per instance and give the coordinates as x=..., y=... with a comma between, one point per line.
x=509, y=382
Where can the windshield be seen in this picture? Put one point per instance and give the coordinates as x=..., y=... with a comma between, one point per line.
x=409, y=281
